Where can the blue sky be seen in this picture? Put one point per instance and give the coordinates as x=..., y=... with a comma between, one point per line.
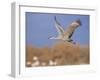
x=40, y=26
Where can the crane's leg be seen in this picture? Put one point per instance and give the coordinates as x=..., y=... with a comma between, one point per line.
x=72, y=41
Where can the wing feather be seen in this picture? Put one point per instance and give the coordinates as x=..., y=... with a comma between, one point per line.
x=58, y=27
x=71, y=29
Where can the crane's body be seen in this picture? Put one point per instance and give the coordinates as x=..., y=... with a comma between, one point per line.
x=66, y=35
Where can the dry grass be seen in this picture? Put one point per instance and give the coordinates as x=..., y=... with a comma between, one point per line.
x=63, y=53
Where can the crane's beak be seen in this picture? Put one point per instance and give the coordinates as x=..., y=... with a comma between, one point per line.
x=79, y=22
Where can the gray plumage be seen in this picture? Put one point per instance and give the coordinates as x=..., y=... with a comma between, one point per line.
x=66, y=35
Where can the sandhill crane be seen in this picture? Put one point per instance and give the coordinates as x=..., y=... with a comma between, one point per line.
x=66, y=35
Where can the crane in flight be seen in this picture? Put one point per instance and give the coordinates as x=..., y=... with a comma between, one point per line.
x=66, y=35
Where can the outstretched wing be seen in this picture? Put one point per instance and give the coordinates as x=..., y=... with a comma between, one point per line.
x=72, y=27
x=58, y=27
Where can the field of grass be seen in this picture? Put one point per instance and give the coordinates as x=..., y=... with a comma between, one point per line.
x=63, y=53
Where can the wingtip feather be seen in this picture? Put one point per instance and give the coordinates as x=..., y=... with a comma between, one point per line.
x=79, y=22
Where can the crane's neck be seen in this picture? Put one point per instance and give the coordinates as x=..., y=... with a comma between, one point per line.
x=54, y=38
